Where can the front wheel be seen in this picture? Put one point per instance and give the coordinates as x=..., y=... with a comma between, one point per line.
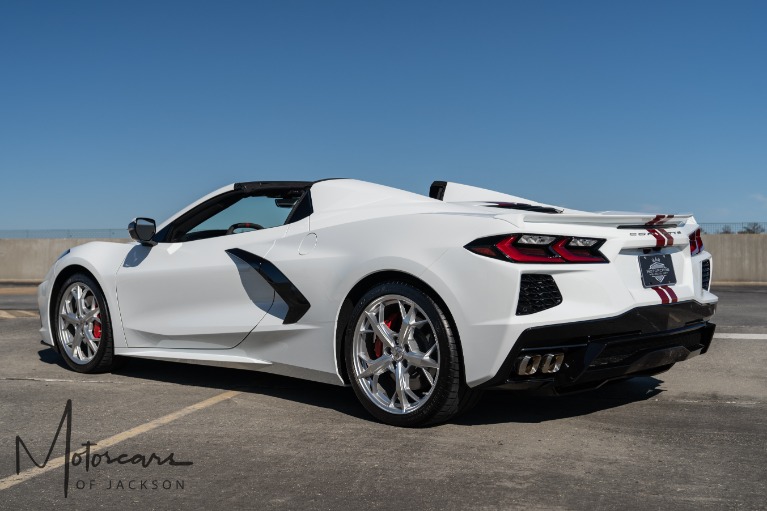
x=402, y=357
x=82, y=325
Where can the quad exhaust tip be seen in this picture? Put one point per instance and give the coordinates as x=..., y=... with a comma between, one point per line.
x=548, y=363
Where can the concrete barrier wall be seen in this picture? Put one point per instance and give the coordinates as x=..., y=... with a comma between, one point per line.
x=737, y=257
x=30, y=259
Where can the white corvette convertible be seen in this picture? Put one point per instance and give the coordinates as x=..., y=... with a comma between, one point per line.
x=417, y=302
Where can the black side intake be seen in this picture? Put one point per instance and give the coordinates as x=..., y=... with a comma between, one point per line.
x=706, y=274
x=537, y=293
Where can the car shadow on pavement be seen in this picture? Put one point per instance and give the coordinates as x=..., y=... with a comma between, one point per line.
x=495, y=406
x=49, y=356
x=334, y=397
x=498, y=406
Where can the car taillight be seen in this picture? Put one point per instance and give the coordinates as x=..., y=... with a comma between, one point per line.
x=696, y=243
x=539, y=248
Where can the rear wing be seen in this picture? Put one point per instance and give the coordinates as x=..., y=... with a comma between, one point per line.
x=537, y=212
x=614, y=219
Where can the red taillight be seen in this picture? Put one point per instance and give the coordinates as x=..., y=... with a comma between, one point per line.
x=527, y=254
x=577, y=255
x=535, y=248
x=696, y=243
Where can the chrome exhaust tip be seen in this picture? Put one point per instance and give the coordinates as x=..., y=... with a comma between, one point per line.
x=552, y=363
x=528, y=365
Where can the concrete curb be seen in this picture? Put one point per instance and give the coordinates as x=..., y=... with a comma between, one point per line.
x=19, y=282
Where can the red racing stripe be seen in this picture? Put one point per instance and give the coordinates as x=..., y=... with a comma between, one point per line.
x=660, y=241
x=671, y=293
x=662, y=238
x=667, y=236
x=664, y=298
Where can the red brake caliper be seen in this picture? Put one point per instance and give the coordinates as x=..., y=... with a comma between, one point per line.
x=378, y=344
x=97, y=328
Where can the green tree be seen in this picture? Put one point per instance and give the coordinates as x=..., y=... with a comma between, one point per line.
x=752, y=228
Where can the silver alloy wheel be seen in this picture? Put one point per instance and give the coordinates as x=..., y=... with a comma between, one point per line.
x=396, y=354
x=80, y=327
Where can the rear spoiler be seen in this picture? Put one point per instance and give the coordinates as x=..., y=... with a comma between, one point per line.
x=613, y=219
x=537, y=212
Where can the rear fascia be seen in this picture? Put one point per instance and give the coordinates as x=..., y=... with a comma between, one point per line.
x=658, y=327
x=482, y=292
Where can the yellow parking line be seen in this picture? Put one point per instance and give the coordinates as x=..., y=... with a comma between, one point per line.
x=13, y=480
x=6, y=314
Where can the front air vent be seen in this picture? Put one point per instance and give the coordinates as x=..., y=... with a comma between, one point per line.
x=706, y=274
x=537, y=293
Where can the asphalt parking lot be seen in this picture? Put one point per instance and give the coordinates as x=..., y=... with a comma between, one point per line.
x=692, y=438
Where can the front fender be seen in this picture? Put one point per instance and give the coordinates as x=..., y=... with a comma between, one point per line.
x=102, y=260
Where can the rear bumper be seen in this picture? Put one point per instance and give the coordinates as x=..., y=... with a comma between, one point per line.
x=643, y=341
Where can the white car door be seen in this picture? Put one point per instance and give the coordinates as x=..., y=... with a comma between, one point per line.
x=192, y=291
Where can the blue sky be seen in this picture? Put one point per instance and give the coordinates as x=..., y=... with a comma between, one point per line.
x=110, y=110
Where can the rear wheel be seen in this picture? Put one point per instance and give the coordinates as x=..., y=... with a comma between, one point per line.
x=402, y=357
x=82, y=325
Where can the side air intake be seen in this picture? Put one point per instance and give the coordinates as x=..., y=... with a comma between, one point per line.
x=537, y=293
x=706, y=274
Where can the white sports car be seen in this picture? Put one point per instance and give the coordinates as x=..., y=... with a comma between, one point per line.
x=417, y=302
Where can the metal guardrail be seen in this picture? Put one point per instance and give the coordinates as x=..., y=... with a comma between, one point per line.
x=734, y=228
x=63, y=233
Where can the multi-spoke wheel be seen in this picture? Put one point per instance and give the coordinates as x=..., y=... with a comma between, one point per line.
x=82, y=327
x=401, y=357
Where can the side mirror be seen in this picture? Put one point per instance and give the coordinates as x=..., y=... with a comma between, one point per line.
x=143, y=230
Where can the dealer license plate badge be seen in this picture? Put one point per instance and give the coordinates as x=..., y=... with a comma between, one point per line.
x=657, y=270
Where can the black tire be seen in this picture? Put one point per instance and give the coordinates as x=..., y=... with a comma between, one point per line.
x=103, y=360
x=449, y=390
